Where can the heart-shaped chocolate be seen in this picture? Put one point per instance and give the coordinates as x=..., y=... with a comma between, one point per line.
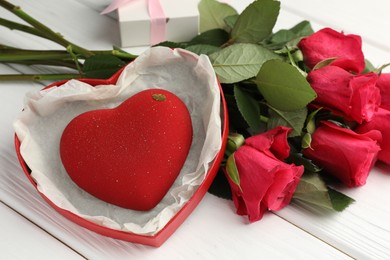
x=130, y=155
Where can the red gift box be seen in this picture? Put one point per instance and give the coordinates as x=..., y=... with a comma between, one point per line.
x=160, y=237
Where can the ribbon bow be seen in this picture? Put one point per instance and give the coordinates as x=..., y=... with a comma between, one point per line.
x=157, y=18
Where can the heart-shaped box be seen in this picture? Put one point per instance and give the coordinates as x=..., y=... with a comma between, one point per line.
x=161, y=235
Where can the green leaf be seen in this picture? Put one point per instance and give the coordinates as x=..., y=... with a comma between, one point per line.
x=302, y=29
x=102, y=66
x=240, y=61
x=283, y=86
x=249, y=109
x=256, y=22
x=212, y=14
x=324, y=63
x=311, y=121
x=283, y=36
x=290, y=37
x=369, y=67
x=298, y=159
x=236, y=122
x=202, y=49
x=292, y=59
x=294, y=119
x=232, y=170
x=170, y=44
x=231, y=21
x=306, y=141
x=312, y=189
x=339, y=200
x=216, y=37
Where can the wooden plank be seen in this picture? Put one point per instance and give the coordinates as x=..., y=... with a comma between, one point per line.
x=213, y=231
x=20, y=239
x=362, y=230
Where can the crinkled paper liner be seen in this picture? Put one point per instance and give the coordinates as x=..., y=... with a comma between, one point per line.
x=47, y=112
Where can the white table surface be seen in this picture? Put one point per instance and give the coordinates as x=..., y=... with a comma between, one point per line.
x=30, y=229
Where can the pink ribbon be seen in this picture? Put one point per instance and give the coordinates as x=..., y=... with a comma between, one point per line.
x=157, y=18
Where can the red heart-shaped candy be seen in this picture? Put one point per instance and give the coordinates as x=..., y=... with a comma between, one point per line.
x=130, y=155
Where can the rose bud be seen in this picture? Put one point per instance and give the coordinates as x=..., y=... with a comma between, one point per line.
x=265, y=182
x=344, y=154
x=381, y=122
x=353, y=96
x=383, y=84
x=328, y=43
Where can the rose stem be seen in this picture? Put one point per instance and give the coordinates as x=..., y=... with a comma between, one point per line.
x=40, y=77
x=21, y=27
x=49, y=34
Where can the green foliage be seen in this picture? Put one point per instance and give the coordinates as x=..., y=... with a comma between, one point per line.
x=256, y=22
x=249, y=56
x=369, y=67
x=249, y=108
x=212, y=14
x=202, y=49
x=172, y=45
x=231, y=21
x=310, y=122
x=313, y=190
x=324, y=63
x=232, y=170
x=294, y=119
x=290, y=37
x=339, y=200
x=298, y=159
x=102, y=66
x=215, y=37
x=306, y=140
x=283, y=86
x=239, y=62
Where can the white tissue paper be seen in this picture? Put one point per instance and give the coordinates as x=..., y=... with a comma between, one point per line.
x=47, y=113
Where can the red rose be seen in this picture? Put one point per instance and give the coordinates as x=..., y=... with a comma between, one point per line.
x=328, y=43
x=266, y=183
x=381, y=122
x=341, y=152
x=383, y=84
x=355, y=97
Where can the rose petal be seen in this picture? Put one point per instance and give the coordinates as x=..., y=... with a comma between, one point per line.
x=328, y=43
x=343, y=153
x=381, y=122
x=354, y=97
x=274, y=140
x=281, y=191
x=266, y=183
x=383, y=84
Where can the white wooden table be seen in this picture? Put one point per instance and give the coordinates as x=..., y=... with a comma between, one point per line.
x=30, y=229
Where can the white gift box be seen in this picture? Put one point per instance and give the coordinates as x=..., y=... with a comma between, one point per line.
x=182, y=22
